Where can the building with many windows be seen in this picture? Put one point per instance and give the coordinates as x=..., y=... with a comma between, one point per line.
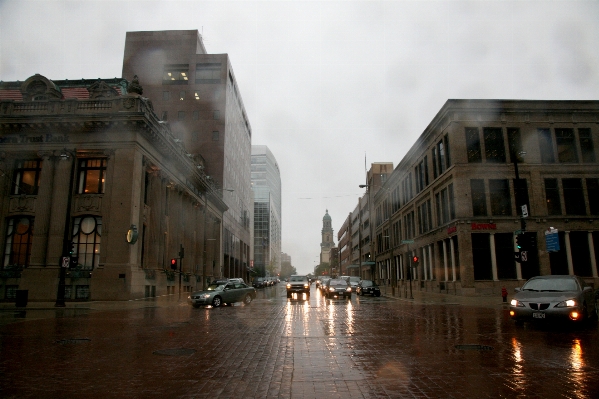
x=198, y=95
x=266, y=184
x=91, y=179
x=446, y=219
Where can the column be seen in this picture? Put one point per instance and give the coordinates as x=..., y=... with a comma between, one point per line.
x=424, y=263
x=430, y=260
x=445, y=261
x=493, y=258
x=569, y=254
x=452, y=253
x=592, y=254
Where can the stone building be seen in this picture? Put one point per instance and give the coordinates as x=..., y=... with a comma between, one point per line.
x=198, y=95
x=326, y=236
x=448, y=215
x=91, y=174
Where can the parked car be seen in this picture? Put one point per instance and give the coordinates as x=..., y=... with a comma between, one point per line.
x=554, y=297
x=259, y=282
x=368, y=287
x=337, y=287
x=298, y=284
x=220, y=293
x=353, y=281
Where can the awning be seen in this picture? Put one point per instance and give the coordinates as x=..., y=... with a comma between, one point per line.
x=368, y=263
x=353, y=267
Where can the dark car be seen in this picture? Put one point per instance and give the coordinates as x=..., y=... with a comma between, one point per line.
x=259, y=282
x=554, y=297
x=368, y=287
x=323, y=282
x=299, y=285
x=337, y=287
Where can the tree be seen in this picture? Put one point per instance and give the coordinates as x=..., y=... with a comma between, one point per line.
x=287, y=270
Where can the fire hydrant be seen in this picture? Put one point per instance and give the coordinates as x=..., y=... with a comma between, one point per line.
x=504, y=294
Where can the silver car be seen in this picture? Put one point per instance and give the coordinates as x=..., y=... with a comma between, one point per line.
x=553, y=298
x=222, y=292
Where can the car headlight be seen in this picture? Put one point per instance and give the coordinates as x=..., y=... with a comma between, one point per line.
x=288, y=285
x=331, y=289
x=306, y=285
x=205, y=296
x=566, y=304
x=348, y=289
x=515, y=302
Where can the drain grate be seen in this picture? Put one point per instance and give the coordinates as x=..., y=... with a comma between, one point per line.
x=73, y=341
x=175, y=352
x=474, y=347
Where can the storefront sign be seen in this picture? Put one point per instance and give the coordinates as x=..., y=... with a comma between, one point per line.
x=483, y=226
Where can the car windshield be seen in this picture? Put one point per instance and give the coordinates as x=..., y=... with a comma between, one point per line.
x=366, y=283
x=338, y=282
x=216, y=287
x=551, y=285
x=354, y=279
x=298, y=278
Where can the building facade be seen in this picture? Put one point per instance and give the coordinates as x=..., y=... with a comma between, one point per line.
x=327, y=242
x=446, y=219
x=93, y=180
x=198, y=95
x=266, y=184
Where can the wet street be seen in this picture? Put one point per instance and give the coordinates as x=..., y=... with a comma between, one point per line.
x=434, y=346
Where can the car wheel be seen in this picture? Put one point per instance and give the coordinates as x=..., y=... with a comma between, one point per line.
x=217, y=301
x=248, y=299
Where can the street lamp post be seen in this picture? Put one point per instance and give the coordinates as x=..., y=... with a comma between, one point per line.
x=66, y=242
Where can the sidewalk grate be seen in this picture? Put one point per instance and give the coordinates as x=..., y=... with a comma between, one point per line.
x=474, y=347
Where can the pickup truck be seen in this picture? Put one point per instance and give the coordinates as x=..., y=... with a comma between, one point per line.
x=298, y=284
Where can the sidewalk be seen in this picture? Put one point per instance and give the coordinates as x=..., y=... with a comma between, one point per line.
x=160, y=301
x=424, y=297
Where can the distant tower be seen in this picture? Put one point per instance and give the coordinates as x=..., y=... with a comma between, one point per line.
x=327, y=239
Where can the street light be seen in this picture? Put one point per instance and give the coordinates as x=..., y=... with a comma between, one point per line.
x=66, y=242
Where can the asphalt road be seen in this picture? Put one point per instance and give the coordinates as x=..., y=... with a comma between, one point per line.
x=431, y=347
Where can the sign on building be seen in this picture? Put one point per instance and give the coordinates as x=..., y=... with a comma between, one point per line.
x=552, y=240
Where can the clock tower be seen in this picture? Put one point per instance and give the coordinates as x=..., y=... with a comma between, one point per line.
x=327, y=239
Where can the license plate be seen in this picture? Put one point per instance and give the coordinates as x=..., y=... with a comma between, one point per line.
x=538, y=315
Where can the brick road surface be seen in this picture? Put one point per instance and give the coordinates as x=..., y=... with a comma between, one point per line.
x=279, y=348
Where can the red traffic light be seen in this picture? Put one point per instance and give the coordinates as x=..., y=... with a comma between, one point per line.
x=174, y=263
x=415, y=259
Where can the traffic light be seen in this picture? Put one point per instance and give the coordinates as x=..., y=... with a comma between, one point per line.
x=520, y=241
x=174, y=263
x=71, y=248
x=415, y=260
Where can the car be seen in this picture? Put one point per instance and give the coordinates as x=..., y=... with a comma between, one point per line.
x=353, y=281
x=220, y=293
x=323, y=282
x=317, y=282
x=337, y=287
x=368, y=287
x=298, y=284
x=259, y=282
x=553, y=297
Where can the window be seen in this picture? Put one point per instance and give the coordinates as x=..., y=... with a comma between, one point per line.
x=216, y=115
x=566, y=145
x=425, y=222
x=92, y=173
x=586, y=145
x=164, y=116
x=82, y=292
x=27, y=177
x=514, y=142
x=501, y=204
x=421, y=175
x=175, y=74
x=181, y=115
x=87, y=236
x=182, y=95
x=479, y=201
x=593, y=194
x=166, y=95
x=573, y=197
x=494, y=144
x=546, y=144
x=215, y=135
x=19, y=235
x=451, y=202
x=473, y=145
x=552, y=197
x=208, y=72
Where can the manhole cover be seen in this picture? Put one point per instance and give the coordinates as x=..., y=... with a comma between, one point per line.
x=474, y=347
x=73, y=341
x=175, y=352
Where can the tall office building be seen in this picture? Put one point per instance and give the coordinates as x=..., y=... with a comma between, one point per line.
x=197, y=95
x=266, y=183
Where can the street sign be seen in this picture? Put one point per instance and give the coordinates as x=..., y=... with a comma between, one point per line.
x=407, y=241
x=552, y=240
x=65, y=261
x=525, y=211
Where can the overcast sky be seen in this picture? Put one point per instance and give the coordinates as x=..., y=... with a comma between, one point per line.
x=327, y=84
